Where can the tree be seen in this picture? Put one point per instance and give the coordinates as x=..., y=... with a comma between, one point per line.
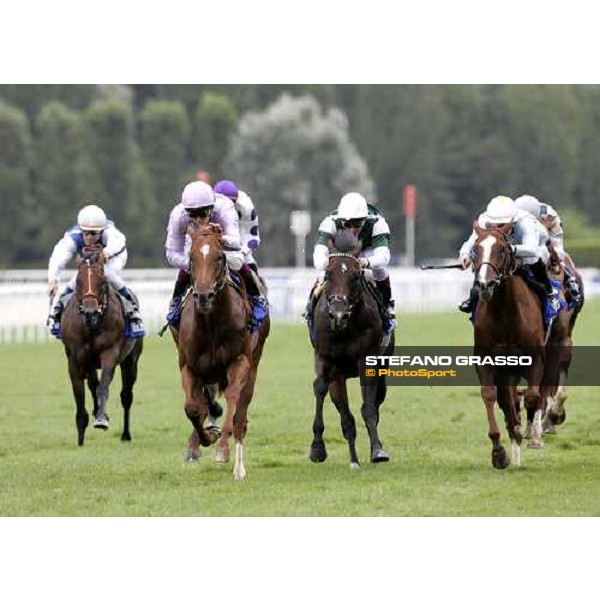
x=295, y=155
x=19, y=215
x=58, y=170
x=215, y=122
x=110, y=142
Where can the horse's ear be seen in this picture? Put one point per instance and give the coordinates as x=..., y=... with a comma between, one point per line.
x=506, y=228
x=192, y=227
x=476, y=227
x=216, y=228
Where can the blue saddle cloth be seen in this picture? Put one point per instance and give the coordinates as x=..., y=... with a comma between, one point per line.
x=549, y=312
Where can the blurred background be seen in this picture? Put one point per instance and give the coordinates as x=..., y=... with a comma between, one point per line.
x=446, y=149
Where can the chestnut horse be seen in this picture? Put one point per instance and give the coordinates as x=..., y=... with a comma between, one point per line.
x=348, y=327
x=508, y=319
x=93, y=332
x=216, y=348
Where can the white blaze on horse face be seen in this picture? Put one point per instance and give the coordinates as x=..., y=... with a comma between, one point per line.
x=486, y=244
x=205, y=250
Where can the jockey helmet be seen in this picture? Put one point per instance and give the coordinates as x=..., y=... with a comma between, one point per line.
x=352, y=206
x=197, y=194
x=500, y=209
x=227, y=188
x=529, y=204
x=91, y=218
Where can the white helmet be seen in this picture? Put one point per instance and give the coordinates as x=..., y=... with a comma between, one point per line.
x=530, y=204
x=92, y=218
x=353, y=206
x=500, y=209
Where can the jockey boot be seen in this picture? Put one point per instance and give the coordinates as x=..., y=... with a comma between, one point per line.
x=56, y=312
x=468, y=305
x=259, y=302
x=389, y=316
x=313, y=298
x=133, y=314
x=572, y=287
x=181, y=286
x=541, y=274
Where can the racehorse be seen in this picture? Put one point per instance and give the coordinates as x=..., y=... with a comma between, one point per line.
x=347, y=327
x=93, y=333
x=559, y=349
x=216, y=348
x=508, y=319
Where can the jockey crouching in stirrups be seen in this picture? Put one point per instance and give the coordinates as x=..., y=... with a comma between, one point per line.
x=92, y=229
x=250, y=241
x=549, y=218
x=363, y=222
x=198, y=202
x=528, y=244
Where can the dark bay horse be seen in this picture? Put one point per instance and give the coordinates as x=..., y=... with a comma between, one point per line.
x=216, y=348
x=348, y=327
x=508, y=319
x=93, y=333
x=559, y=349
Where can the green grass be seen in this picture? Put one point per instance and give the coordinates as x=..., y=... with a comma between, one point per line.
x=437, y=438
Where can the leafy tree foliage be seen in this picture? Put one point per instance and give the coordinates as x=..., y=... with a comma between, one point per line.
x=295, y=155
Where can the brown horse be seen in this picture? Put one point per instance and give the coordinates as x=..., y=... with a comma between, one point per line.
x=508, y=319
x=347, y=327
x=216, y=347
x=559, y=349
x=93, y=332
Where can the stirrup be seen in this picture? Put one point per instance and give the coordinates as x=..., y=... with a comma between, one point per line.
x=466, y=306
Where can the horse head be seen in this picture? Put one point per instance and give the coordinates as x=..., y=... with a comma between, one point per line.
x=493, y=259
x=208, y=264
x=342, y=289
x=91, y=286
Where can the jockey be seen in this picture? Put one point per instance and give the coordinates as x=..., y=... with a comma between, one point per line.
x=549, y=218
x=528, y=242
x=365, y=223
x=198, y=201
x=250, y=241
x=92, y=228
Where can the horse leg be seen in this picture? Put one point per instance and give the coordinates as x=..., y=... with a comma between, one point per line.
x=108, y=365
x=370, y=414
x=240, y=426
x=128, y=378
x=500, y=458
x=193, y=453
x=195, y=405
x=507, y=399
x=237, y=378
x=82, y=417
x=92, y=380
x=318, y=452
x=339, y=396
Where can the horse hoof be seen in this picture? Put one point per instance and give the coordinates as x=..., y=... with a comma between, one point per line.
x=125, y=437
x=556, y=418
x=500, y=459
x=549, y=428
x=192, y=456
x=354, y=466
x=101, y=423
x=239, y=474
x=317, y=453
x=220, y=455
x=535, y=445
x=380, y=456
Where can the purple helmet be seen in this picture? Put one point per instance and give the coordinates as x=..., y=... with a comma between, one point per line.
x=197, y=194
x=227, y=188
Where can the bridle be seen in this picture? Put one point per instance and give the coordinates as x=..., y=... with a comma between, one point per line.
x=507, y=266
x=89, y=293
x=332, y=300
